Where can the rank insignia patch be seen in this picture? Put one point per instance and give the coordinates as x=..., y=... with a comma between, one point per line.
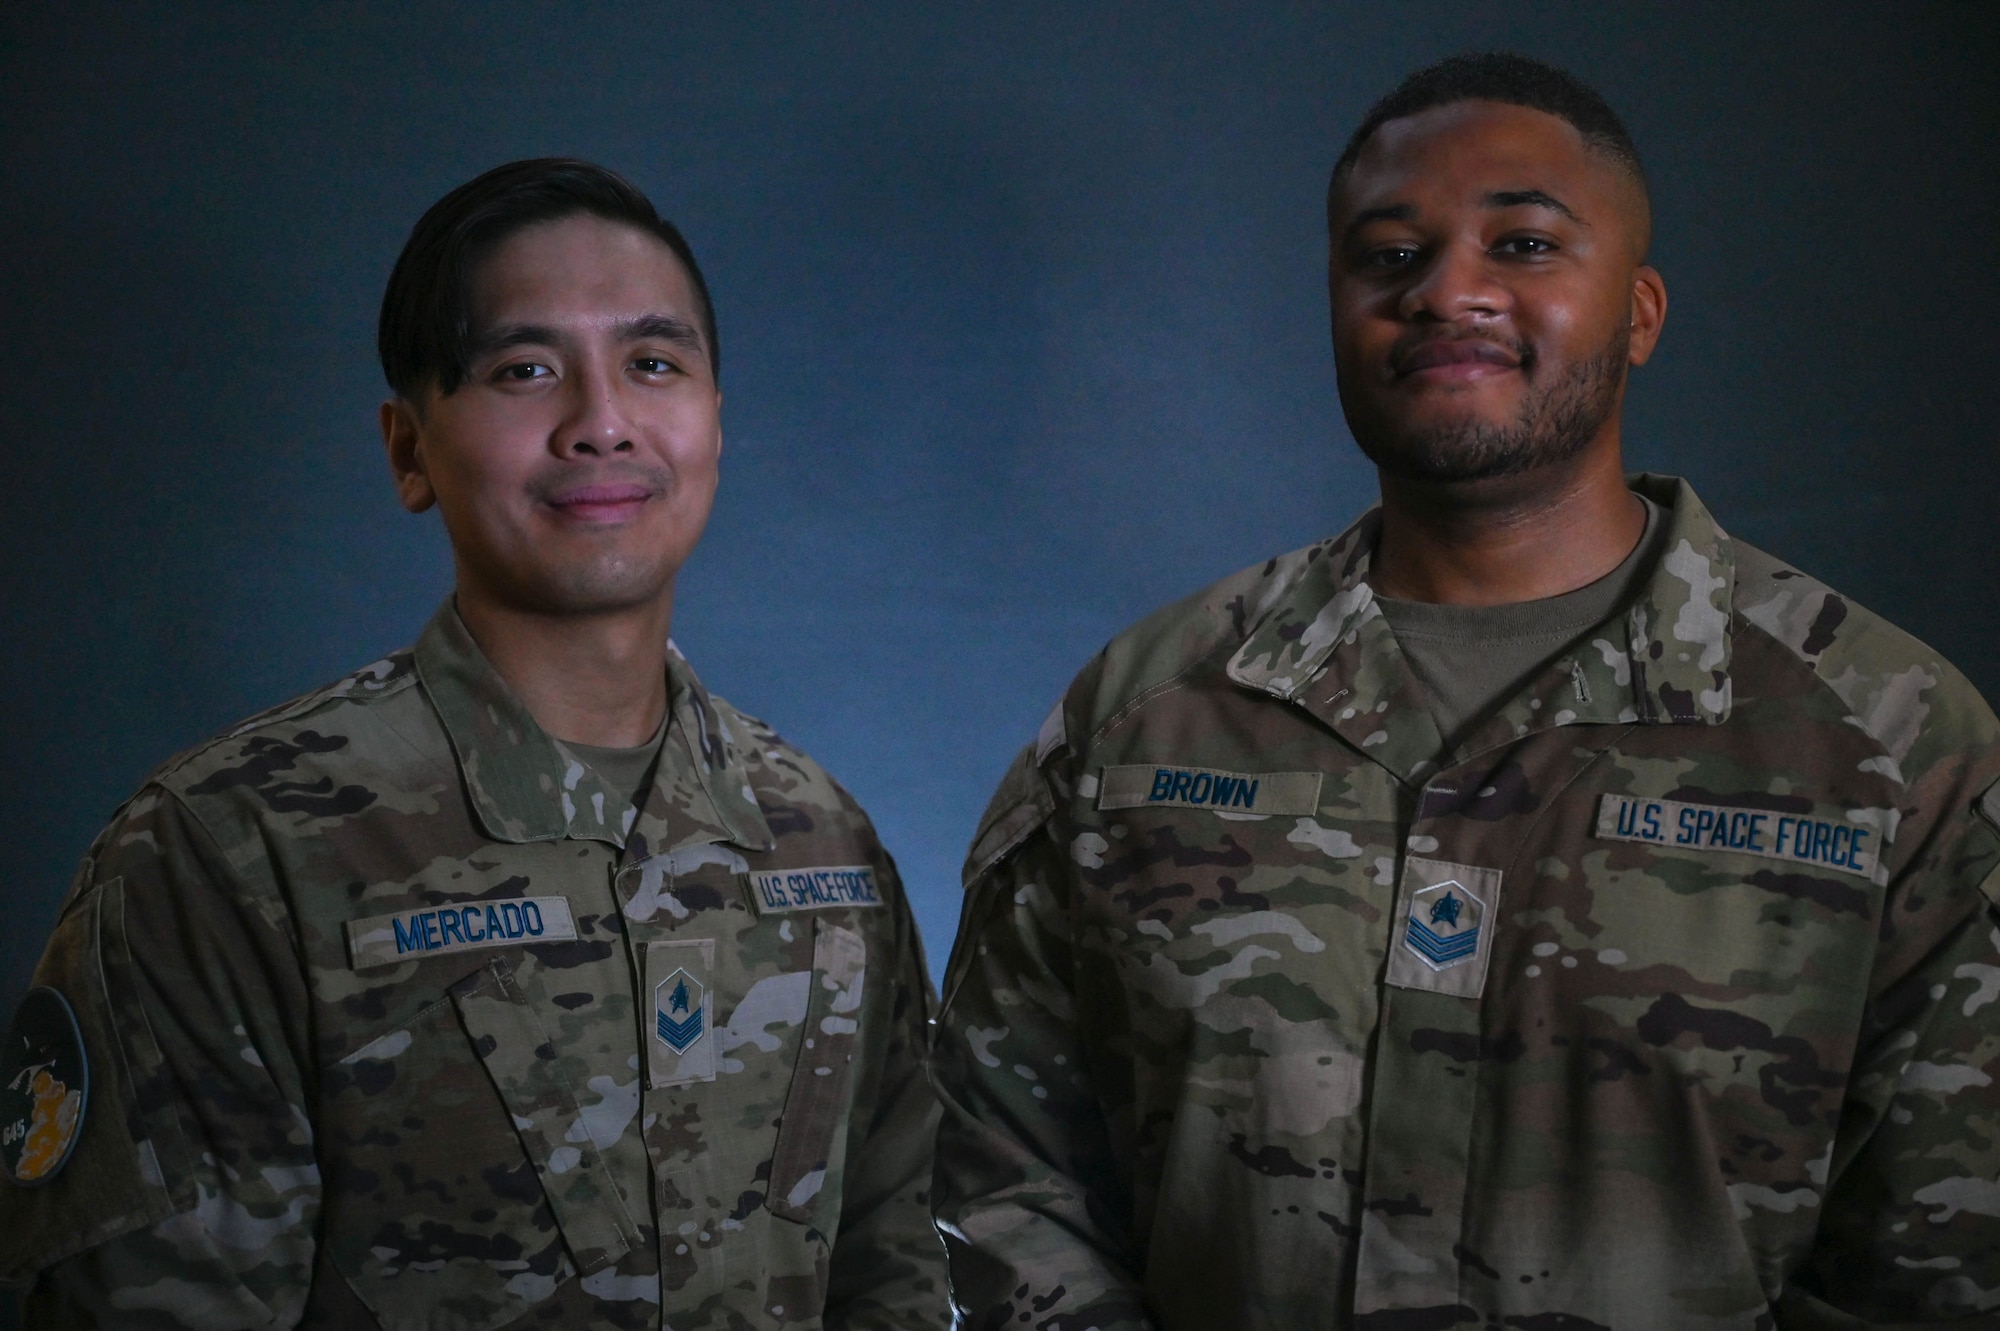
x=681, y=1049
x=44, y=1087
x=1446, y=918
x=677, y=1011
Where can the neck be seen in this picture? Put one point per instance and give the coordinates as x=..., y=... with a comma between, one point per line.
x=588, y=678
x=1508, y=538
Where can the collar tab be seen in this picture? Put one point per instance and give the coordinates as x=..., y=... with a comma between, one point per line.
x=523, y=787
x=1663, y=659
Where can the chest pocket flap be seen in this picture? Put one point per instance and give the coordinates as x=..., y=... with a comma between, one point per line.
x=512, y=1042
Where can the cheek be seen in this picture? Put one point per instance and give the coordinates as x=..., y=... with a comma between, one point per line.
x=693, y=443
x=1578, y=322
x=468, y=480
x=1365, y=325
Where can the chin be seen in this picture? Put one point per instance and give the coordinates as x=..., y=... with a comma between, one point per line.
x=601, y=589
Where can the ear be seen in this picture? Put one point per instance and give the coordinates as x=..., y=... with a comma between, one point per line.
x=402, y=439
x=1649, y=312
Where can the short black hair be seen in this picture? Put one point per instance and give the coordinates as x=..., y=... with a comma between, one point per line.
x=1498, y=76
x=425, y=324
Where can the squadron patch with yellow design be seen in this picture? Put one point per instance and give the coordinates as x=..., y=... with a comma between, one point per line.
x=44, y=1087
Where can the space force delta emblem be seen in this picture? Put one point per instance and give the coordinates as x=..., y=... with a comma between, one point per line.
x=678, y=1014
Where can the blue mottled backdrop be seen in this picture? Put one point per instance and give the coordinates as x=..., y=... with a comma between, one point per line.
x=1024, y=329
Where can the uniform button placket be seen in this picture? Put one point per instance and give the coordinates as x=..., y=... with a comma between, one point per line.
x=1425, y=1076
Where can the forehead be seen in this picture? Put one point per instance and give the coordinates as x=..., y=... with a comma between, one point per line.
x=1466, y=150
x=579, y=266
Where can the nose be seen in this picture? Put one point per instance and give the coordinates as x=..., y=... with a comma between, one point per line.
x=1458, y=283
x=596, y=425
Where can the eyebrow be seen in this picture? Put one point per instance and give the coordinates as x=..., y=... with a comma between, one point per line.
x=1395, y=212
x=662, y=328
x=646, y=327
x=1531, y=198
x=1508, y=198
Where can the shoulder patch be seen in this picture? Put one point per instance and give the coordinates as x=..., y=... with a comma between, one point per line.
x=44, y=1087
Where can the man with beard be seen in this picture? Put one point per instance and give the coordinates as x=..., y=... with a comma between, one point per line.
x=515, y=978
x=1530, y=907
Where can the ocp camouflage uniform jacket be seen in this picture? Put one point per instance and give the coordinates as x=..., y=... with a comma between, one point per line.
x=1668, y=1001
x=439, y=1122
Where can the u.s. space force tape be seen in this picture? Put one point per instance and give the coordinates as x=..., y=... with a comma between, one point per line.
x=1796, y=838
x=815, y=887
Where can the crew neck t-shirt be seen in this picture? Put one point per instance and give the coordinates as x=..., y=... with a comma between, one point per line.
x=1472, y=658
x=627, y=770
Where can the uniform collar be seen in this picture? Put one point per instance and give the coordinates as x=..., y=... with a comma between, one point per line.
x=1663, y=658
x=525, y=786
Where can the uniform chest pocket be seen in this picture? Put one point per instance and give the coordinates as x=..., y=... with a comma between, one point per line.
x=520, y=1056
x=447, y=1207
x=810, y=1132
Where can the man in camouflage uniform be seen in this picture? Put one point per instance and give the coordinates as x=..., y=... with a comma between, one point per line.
x=515, y=979
x=1530, y=908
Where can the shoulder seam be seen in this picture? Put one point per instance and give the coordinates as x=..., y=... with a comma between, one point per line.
x=1820, y=683
x=1223, y=647
x=1139, y=700
x=295, y=709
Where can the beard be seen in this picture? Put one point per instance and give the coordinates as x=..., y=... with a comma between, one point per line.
x=1556, y=422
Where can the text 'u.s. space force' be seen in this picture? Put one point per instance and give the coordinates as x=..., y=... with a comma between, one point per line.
x=1797, y=838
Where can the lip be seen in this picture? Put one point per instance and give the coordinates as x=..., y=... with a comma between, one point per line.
x=1455, y=360
x=607, y=502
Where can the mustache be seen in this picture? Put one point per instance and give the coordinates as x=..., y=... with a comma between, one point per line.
x=1420, y=348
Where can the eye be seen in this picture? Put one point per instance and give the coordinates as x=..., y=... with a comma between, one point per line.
x=522, y=372
x=654, y=365
x=1525, y=247
x=1390, y=257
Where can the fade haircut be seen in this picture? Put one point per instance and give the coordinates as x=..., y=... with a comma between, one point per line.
x=425, y=330
x=1498, y=76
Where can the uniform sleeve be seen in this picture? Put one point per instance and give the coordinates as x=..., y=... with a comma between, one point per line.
x=1911, y=1227
x=887, y=1268
x=1034, y=1217
x=192, y=1196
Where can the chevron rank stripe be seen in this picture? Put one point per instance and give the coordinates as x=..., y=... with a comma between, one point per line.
x=1440, y=949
